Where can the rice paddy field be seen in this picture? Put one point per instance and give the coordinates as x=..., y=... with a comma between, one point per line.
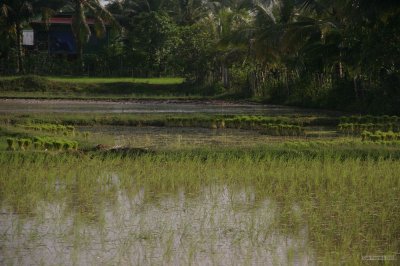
x=206, y=188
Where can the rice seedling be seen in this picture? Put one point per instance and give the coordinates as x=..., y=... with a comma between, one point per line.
x=51, y=128
x=271, y=200
x=42, y=142
x=11, y=144
x=357, y=129
x=181, y=204
x=366, y=119
x=38, y=145
x=283, y=130
x=380, y=136
x=27, y=143
x=20, y=143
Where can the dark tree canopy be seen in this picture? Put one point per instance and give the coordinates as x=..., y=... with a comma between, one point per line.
x=332, y=54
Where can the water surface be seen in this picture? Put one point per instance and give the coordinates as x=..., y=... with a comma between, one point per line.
x=170, y=106
x=220, y=226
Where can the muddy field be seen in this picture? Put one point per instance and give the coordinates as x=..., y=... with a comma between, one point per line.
x=167, y=106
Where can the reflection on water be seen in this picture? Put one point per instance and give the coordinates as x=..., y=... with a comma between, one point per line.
x=219, y=226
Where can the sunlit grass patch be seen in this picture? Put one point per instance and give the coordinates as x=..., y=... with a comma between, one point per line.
x=158, y=81
x=90, y=80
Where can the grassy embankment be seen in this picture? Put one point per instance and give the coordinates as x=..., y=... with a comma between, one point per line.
x=100, y=88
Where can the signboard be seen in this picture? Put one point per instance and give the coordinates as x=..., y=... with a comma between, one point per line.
x=27, y=37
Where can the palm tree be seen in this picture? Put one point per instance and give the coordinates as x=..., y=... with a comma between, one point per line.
x=80, y=26
x=14, y=13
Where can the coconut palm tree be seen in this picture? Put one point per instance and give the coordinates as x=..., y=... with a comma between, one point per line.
x=14, y=13
x=80, y=26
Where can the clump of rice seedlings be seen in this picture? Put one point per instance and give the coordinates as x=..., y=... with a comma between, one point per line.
x=380, y=136
x=67, y=145
x=70, y=145
x=85, y=134
x=74, y=145
x=283, y=130
x=357, y=129
x=20, y=144
x=58, y=145
x=23, y=144
x=38, y=145
x=237, y=121
x=366, y=135
x=370, y=119
x=213, y=125
x=70, y=128
x=11, y=144
x=53, y=128
x=27, y=143
x=48, y=145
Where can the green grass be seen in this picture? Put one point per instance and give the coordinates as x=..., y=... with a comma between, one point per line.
x=90, y=80
x=100, y=88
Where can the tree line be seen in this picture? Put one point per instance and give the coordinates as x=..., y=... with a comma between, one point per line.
x=318, y=53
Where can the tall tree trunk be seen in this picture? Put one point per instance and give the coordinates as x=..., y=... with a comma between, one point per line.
x=225, y=76
x=20, y=63
x=356, y=86
x=81, y=31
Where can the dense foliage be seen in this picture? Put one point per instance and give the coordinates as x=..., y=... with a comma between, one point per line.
x=334, y=54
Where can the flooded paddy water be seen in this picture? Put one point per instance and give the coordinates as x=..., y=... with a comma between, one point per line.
x=149, y=107
x=219, y=226
x=174, y=207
